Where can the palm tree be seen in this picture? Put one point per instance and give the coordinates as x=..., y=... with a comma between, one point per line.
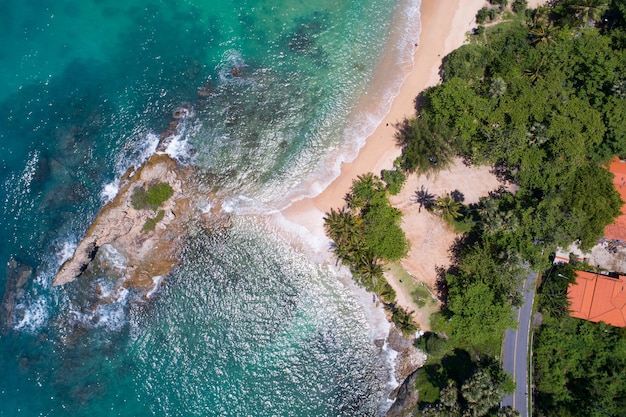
x=543, y=34
x=508, y=411
x=424, y=198
x=449, y=396
x=589, y=11
x=370, y=272
x=448, y=208
x=497, y=87
x=538, y=71
x=482, y=393
x=385, y=292
x=344, y=229
x=403, y=319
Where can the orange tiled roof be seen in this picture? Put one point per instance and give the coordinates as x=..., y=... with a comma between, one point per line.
x=597, y=297
x=617, y=230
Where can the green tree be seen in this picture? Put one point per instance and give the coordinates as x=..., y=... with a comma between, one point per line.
x=478, y=322
x=426, y=147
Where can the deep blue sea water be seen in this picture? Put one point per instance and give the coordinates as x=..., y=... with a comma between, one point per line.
x=250, y=323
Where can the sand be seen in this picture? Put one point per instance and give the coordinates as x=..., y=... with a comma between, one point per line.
x=444, y=27
x=445, y=24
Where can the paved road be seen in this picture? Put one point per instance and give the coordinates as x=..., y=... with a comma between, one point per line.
x=515, y=351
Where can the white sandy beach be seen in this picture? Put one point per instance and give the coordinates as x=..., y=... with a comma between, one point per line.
x=444, y=27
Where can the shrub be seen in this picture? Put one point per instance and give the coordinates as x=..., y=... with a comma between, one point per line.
x=519, y=6
x=394, y=179
x=151, y=198
x=151, y=222
x=481, y=16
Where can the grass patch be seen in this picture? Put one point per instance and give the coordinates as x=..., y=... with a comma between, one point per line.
x=151, y=198
x=419, y=292
x=421, y=296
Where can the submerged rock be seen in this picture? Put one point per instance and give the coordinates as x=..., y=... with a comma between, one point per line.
x=17, y=277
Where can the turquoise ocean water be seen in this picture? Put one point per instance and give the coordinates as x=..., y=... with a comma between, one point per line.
x=250, y=323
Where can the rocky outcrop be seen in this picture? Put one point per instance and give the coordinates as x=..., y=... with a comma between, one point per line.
x=120, y=225
x=408, y=361
x=405, y=397
x=147, y=253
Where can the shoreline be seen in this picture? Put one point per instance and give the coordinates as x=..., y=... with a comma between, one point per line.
x=444, y=25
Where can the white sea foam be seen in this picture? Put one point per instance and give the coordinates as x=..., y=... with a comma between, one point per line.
x=65, y=251
x=205, y=206
x=178, y=147
x=157, y=281
x=243, y=205
x=112, y=256
x=110, y=314
x=374, y=105
x=110, y=190
x=148, y=147
x=232, y=62
x=31, y=314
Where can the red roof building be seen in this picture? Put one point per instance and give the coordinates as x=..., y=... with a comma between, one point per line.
x=617, y=230
x=596, y=297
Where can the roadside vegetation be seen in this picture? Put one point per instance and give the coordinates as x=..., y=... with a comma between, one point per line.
x=579, y=366
x=540, y=97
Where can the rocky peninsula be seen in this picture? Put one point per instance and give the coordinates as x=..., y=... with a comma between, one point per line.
x=147, y=238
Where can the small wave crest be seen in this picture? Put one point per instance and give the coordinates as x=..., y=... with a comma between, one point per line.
x=157, y=281
x=232, y=67
x=110, y=190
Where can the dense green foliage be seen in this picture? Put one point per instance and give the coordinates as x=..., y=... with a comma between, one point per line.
x=451, y=384
x=543, y=101
x=366, y=233
x=395, y=179
x=579, y=366
x=425, y=147
x=151, y=198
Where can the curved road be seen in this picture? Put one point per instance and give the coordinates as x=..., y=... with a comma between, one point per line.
x=515, y=349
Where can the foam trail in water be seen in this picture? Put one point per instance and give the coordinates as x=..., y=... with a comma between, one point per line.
x=110, y=314
x=66, y=251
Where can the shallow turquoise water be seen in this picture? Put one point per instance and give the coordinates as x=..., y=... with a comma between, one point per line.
x=246, y=325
